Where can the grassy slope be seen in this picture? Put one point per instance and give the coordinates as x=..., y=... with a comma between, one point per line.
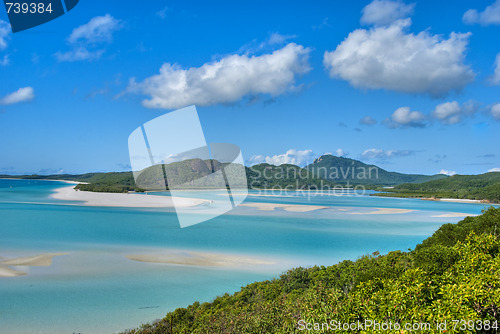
x=479, y=187
x=454, y=274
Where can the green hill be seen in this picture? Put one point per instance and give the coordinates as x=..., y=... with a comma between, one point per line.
x=453, y=277
x=270, y=176
x=479, y=187
x=345, y=170
x=258, y=177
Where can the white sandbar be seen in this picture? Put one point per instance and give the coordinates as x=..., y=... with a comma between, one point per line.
x=42, y=260
x=383, y=211
x=286, y=207
x=123, y=200
x=9, y=272
x=454, y=215
x=192, y=258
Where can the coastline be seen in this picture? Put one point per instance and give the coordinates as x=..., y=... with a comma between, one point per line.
x=456, y=200
x=123, y=200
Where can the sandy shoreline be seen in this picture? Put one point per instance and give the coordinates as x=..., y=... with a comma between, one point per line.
x=455, y=215
x=383, y=211
x=454, y=200
x=192, y=258
x=65, y=181
x=41, y=260
x=286, y=207
x=123, y=200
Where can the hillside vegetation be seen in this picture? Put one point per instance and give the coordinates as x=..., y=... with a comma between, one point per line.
x=344, y=170
x=479, y=187
x=452, y=275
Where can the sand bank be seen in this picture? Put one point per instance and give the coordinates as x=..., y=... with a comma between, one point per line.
x=191, y=258
x=9, y=272
x=455, y=200
x=382, y=211
x=286, y=207
x=454, y=215
x=123, y=200
x=42, y=260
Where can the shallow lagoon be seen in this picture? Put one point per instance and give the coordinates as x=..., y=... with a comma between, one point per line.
x=96, y=289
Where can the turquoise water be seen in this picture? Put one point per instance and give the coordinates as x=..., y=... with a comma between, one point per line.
x=96, y=289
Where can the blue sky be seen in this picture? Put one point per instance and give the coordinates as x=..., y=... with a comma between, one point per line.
x=410, y=86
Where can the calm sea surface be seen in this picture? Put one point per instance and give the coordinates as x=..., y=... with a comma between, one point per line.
x=96, y=289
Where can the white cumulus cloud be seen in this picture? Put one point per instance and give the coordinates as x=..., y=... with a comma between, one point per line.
x=88, y=40
x=491, y=15
x=292, y=156
x=383, y=12
x=447, y=172
x=97, y=30
x=4, y=34
x=496, y=75
x=497, y=169
x=495, y=111
x=341, y=153
x=378, y=154
x=389, y=57
x=225, y=81
x=404, y=117
x=452, y=112
x=21, y=95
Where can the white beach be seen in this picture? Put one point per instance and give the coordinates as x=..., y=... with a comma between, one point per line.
x=454, y=200
x=454, y=215
x=192, y=258
x=123, y=200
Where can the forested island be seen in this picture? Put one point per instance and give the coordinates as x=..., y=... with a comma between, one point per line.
x=325, y=173
x=452, y=276
x=485, y=187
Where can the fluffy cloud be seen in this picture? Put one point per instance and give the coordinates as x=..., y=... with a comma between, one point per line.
x=452, y=112
x=367, y=120
x=225, y=81
x=21, y=95
x=495, y=111
x=295, y=157
x=496, y=76
x=388, y=57
x=341, y=153
x=5, y=60
x=4, y=34
x=494, y=170
x=383, y=12
x=447, y=172
x=88, y=40
x=491, y=15
x=404, y=117
x=378, y=154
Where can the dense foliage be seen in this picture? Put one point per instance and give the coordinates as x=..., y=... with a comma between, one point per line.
x=452, y=275
x=343, y=170
x=480, y=187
